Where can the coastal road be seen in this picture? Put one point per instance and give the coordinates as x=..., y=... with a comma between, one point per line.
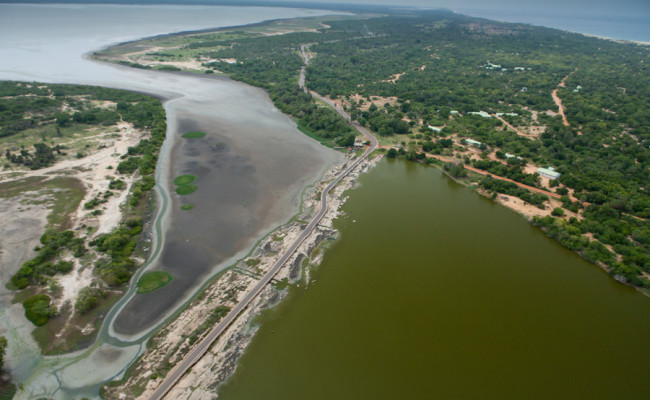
x=197, y=352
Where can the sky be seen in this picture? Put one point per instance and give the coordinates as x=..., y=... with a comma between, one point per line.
x=635, y=8
x=591, y=7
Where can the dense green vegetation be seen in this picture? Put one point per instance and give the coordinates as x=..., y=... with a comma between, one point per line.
x=398, y=74
x=38, y=309
x=150, y=281
x=88, y=298
x=43, y=156
x=3, y=350
x=117, y=267
x=36, y=270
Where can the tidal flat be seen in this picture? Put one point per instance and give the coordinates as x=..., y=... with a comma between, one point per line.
x=250, y=169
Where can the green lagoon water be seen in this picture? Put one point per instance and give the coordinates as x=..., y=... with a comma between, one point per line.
x=437, y=293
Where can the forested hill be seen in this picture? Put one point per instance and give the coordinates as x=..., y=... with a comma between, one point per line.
x=435, y=80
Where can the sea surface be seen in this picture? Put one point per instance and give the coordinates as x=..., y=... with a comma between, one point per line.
x=434, y=292
x=634, y=28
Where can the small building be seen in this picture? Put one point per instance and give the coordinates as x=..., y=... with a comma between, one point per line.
x=549, y=173
x=489, y=65
x=435, y=128
x=358, y=143
x=508, y=155
x=524, y=89
x=453, y=112
x=480, y=114
x=520, y=69
x=473, y=142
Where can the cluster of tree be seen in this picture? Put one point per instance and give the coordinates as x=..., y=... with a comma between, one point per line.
x=36, y=270
x=513, y=172
x=625, y=238
x=19, y=112
x=97, y=200
x=147, y=114
x=511, y=189
x=387, y=120
x=94, y=116
x=118, y=246
x=3, y=350
x=43, y=156
x=456, y=170
x=321, y=121
x=88, y=299
x=38, y=309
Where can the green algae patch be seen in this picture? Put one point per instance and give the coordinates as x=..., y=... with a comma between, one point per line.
x=194, y=135
x=187, y=207
x=185, y=184
x=150, y=281
x=186, y=189
x=184, y=180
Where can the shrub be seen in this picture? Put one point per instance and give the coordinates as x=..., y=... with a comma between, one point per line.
x=557, y=212
x=38, y=310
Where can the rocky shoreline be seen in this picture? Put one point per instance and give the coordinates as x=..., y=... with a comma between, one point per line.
x=168, y=346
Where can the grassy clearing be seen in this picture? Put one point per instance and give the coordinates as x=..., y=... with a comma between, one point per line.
x=62, y=195
x=184, y=179
x=187, y=206
x=194, y=135
x=150, y=281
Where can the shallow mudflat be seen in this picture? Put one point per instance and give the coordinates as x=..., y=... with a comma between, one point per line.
x=250, y=170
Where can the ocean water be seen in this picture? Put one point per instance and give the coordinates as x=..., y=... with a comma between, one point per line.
x=636, y=28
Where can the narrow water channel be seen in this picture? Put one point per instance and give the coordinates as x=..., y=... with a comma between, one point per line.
x=435, y=292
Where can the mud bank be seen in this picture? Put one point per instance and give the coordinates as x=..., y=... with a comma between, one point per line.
x=250, y=169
